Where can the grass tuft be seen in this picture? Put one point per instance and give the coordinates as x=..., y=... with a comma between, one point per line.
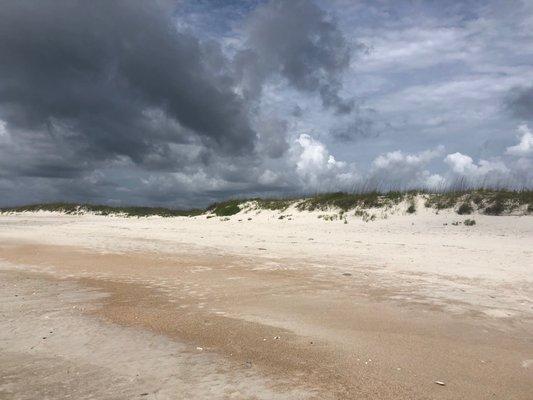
x=346, y=201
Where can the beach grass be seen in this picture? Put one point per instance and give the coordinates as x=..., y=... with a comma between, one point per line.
x=464, y=202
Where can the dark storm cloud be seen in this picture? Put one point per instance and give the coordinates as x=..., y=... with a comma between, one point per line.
x=108, y=101
x=299, y=41
x=520, y=102
x=184, y=102
x=273, y=137
x=94, y=80
x=364, y=123
x=360, y=129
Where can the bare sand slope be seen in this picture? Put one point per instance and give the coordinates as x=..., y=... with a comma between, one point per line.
x=104, y=307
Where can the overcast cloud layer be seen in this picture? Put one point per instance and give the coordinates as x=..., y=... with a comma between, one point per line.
x=182, y=103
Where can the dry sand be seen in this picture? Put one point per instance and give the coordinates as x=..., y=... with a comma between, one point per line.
x=267, y=308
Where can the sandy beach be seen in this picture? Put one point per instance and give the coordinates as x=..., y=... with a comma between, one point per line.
x=266, y=200
x=261, y=307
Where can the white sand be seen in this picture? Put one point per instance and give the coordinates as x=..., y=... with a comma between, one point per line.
x=59, y=354
x=254, y=306
x=488, y=266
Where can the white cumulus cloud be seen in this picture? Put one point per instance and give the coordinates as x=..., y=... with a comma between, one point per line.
x=317, y=168
x=525, y=146
x=464, y=165
x=399, y=170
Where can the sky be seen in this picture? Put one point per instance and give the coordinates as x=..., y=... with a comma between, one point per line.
x=184, y=103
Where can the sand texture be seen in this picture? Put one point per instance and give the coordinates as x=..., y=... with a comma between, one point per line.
x=258, y=307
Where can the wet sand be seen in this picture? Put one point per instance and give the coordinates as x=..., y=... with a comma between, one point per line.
x=160, y=318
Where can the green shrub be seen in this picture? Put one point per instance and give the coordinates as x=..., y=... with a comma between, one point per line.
x=411, y=209
x=465, y=208
x=469, y=222
x=497, y=208
x=226, y=208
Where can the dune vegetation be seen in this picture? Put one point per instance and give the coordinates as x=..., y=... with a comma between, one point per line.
x=464, y=202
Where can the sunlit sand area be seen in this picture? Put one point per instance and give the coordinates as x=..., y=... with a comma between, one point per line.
x=267, y=304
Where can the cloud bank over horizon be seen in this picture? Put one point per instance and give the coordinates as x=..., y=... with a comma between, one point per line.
x=182, y=103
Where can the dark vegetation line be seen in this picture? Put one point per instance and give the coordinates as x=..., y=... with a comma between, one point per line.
x=464, y=202
x=129, y=211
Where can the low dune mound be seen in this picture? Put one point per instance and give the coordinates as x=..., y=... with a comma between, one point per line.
x=481, y=201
